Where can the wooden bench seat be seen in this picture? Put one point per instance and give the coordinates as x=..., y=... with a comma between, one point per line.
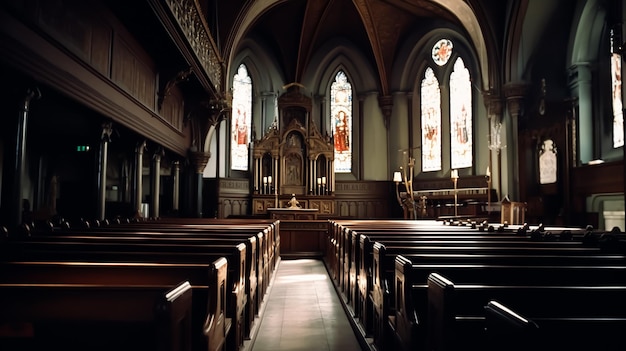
x=137, y=273
x=172, y=251
x=270, y=229
x=454, y=310
x=95, y=317
x=345, y=239
x=375, y=270
x=255, y=272
x=353, y=263
x=178, y=241
x=261, y=256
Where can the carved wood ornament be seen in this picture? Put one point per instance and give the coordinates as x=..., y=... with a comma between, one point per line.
x=293, y=157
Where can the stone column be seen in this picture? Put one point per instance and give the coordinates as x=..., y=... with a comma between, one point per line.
x=199, y=159
x=515, y=94
x=105, y=138
x=20, y=152
x=582, y=88
x=493, y=104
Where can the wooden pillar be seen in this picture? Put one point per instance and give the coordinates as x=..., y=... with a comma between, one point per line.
x=138, y=176
x=156, y=183
x=176, y=190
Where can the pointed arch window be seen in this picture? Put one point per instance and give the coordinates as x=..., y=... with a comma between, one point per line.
x=431, y=122
x=616, y=98
x=241, y=119
x=437, y=121
x=461, y=146
x=341, y=117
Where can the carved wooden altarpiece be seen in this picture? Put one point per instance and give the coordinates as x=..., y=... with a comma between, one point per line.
x=293, y=157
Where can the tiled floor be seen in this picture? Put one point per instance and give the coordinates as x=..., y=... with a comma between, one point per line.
x=303, y=312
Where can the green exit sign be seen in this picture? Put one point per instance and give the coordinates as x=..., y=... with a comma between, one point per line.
x=82, y=148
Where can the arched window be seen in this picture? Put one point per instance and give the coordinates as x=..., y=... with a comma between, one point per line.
x=616, y=98
x=431, y=122
x=460, y=116
x=241, y=119
x=341, y=116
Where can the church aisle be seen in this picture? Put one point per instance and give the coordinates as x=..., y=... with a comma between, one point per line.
x=303, y=312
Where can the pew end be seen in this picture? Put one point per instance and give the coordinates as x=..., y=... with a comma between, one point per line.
x=405, y=323
x=507, y=330
x=97, y=317
x=217, y=325
x=441, y=316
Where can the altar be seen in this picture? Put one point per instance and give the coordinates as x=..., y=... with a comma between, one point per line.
x=293, y=214
x=301, y=234
x=293, y=158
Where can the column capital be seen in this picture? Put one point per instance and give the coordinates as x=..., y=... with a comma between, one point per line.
x=199, y=159
x=493, y=103
x=518, y=89
x=515, y=94
x=107, y=130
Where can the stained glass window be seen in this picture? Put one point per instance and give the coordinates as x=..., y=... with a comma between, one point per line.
x=341, y=114
x=431, y=122
x=460, y=116
x=616, y=90
x=241, y=118
x=441, y=51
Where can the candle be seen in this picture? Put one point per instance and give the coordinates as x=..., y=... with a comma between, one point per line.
x=319, y=181
x=454, y=174
x=264, y=180
x=488, y=172
x=269, y=179
x=323, y=180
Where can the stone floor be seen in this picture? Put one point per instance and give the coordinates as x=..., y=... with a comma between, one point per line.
x=303, y=312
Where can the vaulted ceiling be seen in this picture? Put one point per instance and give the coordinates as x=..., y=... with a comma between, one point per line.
x=293, y=30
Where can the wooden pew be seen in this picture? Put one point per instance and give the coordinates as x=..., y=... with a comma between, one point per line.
x=376, y=269
x=179, y=228
x=270, y=227
x=58, y=248
x=96, y=317
x=359, y=272
x=269, y=245
x=456, y=316
x=256, y=272
x=524, y=288
x=267, y=250
x=506, y=329
x=345, y=241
